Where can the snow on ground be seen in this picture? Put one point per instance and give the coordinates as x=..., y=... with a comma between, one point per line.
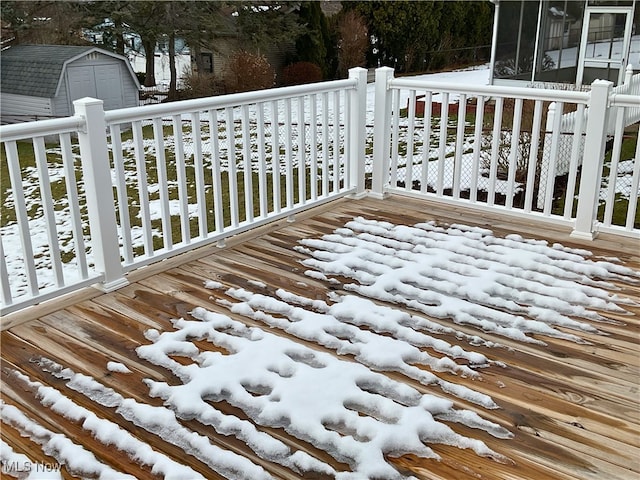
x=338, y=396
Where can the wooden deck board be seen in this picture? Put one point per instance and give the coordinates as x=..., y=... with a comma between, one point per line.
x=573, y=408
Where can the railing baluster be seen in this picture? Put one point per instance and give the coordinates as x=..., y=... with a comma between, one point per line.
x=287, y=154
x=613, y=167
x=514, y=153
x=313, y=129
x=214, y=140
x=247, y=164
x=457, y=167
x=201, y=199
x=143, y=189
x=121, y=193
x=495, y=146
x=576, y=157
x=477, y=147
x=444, y=120
x=553, y=156
x=426, y=144
x=336, y=142
x=5, y=288
x=347, y=140
x=163, y=183
x=275, y=157
x=15, y=177
x=68, y=165
x=395, y=138
x=411, y=120
x=325, y=144
x=302, y=163
x=232, y=171
x=262, y=160
x=183, y=193
x=533, y=155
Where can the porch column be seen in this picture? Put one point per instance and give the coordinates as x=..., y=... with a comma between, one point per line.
x=96, y=172
x=594, y=146
x=381, y=132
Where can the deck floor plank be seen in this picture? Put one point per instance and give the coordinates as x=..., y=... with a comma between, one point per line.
x=573, y=408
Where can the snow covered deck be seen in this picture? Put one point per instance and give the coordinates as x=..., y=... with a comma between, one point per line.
x=367, y=339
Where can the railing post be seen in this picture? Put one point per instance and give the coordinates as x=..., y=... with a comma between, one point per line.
x=357, y=130
x=590, y=177
x=94, y=154
x=628, y=75
x=381, y=132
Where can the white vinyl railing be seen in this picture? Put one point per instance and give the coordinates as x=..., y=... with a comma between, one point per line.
x=97, y=195
x=490, y=147
x=146, y=183
x=630, y=86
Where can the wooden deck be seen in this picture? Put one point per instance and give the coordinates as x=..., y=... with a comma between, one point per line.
x=573, y=409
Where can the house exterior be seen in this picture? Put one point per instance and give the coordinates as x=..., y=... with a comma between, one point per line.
x=42, y=81
x=571, y=42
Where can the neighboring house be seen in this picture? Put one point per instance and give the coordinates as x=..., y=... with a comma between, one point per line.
x=42, y=81
x=564, y=41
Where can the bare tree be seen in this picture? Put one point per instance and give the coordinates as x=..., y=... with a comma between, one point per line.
x=353, y=42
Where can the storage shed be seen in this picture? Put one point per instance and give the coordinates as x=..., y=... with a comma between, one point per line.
x=42, y=81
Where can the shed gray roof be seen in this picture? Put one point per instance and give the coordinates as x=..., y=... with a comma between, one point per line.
x=36, y=70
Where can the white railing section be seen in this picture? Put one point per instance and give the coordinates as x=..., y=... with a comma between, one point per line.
x=621, y=173
x=159, y=180
x=38, y=259
x=491, y=147
x=630, y=86
x=481, y=145
x=97, y=195
x=183, y=170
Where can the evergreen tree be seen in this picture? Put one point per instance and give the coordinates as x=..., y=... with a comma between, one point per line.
x=315, y=44
x=418, y=36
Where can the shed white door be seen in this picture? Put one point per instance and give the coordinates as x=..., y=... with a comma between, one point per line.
x=97, y=81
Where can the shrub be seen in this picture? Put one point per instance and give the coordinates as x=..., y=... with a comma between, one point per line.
x=200, y=85
x=301, y=72
x=248, y=71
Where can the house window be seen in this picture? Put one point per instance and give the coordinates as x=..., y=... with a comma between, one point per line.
x=207, y=62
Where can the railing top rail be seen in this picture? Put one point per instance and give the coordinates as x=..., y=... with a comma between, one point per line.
x=40, y=128
x=223, y=101
x=624, y=100
x=492, y=90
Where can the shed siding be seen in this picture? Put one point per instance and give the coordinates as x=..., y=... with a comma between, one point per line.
x=19, y=105
x=61, y=104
